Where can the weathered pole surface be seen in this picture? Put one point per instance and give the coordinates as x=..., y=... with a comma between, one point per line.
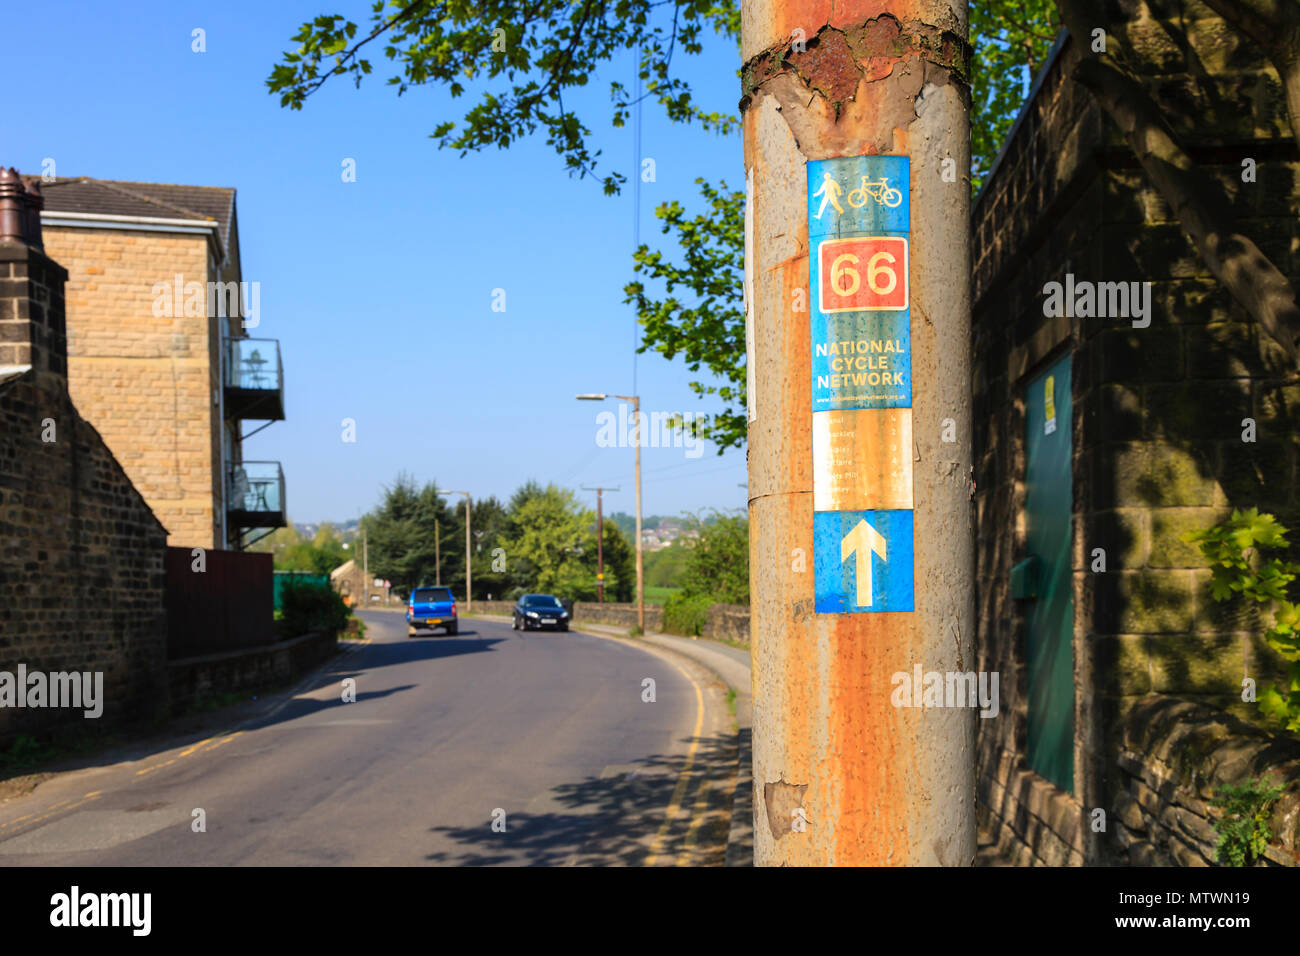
x=861, y=537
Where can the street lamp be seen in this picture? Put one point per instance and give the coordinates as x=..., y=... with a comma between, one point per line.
x=636, y=417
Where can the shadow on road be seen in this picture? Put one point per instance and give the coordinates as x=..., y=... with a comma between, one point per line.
x=143, y=742
x=306, y=706
x=615, y=819
x=368, y=660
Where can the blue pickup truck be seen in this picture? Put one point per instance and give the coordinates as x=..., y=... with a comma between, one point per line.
x=430, y=608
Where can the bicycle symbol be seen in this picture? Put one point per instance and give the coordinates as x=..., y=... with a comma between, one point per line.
x=880, y=191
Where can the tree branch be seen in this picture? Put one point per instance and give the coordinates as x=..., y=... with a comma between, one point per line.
x=1199, y=204
x=1275, y=26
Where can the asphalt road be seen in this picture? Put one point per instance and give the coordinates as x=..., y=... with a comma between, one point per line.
x=547, y=733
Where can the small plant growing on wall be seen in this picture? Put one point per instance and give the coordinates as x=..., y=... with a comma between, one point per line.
x=1243, y=829
x=1237, y=551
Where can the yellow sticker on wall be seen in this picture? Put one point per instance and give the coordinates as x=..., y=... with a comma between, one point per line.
x=1049, y=405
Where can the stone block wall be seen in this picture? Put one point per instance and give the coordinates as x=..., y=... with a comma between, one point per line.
x=81, y=554
x=1158, y=425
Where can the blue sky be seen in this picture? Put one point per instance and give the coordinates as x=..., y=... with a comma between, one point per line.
x=380, y=290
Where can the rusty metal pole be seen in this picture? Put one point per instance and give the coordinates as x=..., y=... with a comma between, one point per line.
x=856, y=120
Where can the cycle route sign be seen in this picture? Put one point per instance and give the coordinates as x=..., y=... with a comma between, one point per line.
x=859, y=224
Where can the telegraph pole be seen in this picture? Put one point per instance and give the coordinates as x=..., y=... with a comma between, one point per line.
x=469, y=580
x=600, y=538
x=469, y=561
x=857, y=299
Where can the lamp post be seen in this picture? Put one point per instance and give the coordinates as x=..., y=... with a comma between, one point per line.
x=636, y=417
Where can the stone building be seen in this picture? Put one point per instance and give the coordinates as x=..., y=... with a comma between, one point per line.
x=348, y=580
x=81, y=554
x=1101, y=440
x=160, y=360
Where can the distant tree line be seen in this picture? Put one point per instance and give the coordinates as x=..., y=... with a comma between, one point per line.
x=542, y=539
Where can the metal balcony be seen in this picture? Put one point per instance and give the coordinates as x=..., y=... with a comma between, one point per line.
x=254, y=379
x=255, y=495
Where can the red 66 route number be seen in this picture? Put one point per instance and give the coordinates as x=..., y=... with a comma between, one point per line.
x=862, y=275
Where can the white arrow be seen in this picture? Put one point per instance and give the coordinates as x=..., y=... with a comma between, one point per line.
x=863, y=540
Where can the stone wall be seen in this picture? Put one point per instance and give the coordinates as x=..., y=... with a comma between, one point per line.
x=728, y=622
x=1158, y=421
x=1173, y=753
x=194, y=680
x=81, y=555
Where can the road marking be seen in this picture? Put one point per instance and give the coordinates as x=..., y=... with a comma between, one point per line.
x=697, y=819
x=185, y=753
x=56, y=809
x=679, y=791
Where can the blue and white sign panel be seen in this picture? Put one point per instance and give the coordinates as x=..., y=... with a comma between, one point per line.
x=862, y=561
x=859, y=227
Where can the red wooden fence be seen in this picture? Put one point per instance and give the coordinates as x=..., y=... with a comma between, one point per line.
x=225, y=607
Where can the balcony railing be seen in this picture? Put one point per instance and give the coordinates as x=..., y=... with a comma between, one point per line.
x=255, y=495
x=254, y=379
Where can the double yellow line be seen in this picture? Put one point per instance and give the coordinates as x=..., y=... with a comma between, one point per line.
x=52, y=810
x=679, y=791
x=202, y=745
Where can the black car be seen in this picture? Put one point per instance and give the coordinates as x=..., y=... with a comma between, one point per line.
x=539, y=611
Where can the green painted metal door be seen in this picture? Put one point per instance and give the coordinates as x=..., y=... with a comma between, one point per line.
x=1050, y=628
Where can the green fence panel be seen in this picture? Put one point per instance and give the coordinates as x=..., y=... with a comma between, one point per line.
x=284, y=579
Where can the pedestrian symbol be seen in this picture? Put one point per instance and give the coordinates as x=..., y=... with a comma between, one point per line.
x=829, y=191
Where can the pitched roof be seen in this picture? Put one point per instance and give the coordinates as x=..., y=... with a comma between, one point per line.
x=161, y=200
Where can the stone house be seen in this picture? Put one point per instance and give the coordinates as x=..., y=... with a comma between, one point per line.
x=161, y=357
x=81, y=554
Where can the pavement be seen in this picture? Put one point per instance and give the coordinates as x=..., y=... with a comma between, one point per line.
x=490, y=747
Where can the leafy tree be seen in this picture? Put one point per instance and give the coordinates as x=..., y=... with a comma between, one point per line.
x=290, y=552
x=718, y=565
x=526, y=55
x=664, y=568
x=550, y=544
x=620, y=563
x=400, y=535
x=488, y=521
x=709, y=328
x=1010, y=41
x=322, y=554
